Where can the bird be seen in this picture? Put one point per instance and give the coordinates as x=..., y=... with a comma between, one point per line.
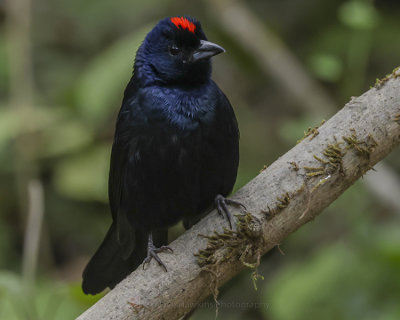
x=175, y=151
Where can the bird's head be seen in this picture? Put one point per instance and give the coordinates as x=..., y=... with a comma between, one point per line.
x=176, y=51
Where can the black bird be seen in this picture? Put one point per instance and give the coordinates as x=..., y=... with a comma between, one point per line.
x=175, y=151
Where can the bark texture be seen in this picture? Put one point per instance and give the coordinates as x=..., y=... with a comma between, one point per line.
x=283, y=197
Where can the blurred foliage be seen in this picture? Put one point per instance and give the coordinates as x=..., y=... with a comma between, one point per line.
x=354, y=277
x=50, y=300
x=345, y=265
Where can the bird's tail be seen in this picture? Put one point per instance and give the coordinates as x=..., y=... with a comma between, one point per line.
x=108, y=267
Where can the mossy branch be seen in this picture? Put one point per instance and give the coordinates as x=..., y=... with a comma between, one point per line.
x=283, y=197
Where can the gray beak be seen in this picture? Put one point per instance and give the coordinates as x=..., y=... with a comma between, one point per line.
x=206, y=50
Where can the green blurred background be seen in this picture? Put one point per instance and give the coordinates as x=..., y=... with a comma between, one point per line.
x=63, y=67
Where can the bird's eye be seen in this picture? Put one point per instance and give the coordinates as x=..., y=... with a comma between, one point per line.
x=174, y=50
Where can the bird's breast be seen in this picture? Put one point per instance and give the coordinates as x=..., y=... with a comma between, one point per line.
x=184, y=109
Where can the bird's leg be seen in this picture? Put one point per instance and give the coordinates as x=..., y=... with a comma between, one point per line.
x=221, y=204
x=152, y=252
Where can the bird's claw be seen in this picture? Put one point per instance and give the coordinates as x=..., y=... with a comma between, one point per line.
x=221, y=205
x=152, y=253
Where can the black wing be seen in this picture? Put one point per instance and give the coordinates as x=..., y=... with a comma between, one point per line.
x=118, y=170
x=228, y=125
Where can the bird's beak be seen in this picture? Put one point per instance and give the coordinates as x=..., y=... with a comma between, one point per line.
x=206, y=50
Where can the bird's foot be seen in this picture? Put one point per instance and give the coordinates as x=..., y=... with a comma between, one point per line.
x=152, y=253
x=221, y=204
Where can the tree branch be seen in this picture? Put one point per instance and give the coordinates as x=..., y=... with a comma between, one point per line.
x=289, y=193
x=275, y=59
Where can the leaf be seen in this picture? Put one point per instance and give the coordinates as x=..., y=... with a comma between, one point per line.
x=326, y=66
x=102, y=82
x=84, y=176
x=9, y=126
x=358, y=14
x=65, y=138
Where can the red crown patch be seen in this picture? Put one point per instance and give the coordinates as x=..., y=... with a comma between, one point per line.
x=183, y=23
